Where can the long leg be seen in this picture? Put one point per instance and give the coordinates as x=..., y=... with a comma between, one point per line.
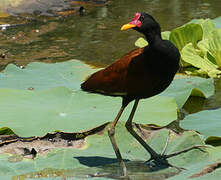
x=130, y=129
x=111, y=132
x=160, y=158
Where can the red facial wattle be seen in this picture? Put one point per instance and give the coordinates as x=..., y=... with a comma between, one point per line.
x=135, y=21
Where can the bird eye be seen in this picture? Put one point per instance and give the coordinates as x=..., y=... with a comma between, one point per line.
x=141, y=18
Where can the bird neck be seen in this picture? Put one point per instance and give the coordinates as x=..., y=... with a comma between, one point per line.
x=153, y=37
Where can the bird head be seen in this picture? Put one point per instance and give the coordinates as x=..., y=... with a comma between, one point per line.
x=143, y=23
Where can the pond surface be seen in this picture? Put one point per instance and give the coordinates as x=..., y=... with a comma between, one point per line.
x=95, y=37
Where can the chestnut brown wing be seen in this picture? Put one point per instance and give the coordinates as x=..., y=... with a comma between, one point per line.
x=112, y=80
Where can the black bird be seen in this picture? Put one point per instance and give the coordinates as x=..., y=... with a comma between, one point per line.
x=141, y=73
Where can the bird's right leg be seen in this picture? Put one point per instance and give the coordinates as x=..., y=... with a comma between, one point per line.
x=160, y=158
x=111, y=132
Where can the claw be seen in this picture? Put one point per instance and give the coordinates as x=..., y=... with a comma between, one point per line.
x=166, y=145
x=160, y=161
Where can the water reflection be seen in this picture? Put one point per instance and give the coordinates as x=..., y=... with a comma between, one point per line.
x=214, y=102
x=96, y=37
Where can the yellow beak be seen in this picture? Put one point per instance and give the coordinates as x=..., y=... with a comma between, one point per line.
x=127, y=26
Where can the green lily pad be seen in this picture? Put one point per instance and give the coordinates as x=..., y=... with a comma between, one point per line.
x=24, y=111
x=41, y=76
x=184, y=86
x=197, y=170
x=97, y=156
x=206, y=122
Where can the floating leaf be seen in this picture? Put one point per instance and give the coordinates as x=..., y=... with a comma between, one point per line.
x=38, y=76
x=206, y=122
x=197, y=171
x=183, y=86
x=61, y=109
x=98, y=157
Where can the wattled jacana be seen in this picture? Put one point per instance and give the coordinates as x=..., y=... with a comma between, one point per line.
x=141, y=73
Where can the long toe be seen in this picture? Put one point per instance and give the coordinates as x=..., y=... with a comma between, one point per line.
x=185, y=150
x=158, y=162
x=155, y=165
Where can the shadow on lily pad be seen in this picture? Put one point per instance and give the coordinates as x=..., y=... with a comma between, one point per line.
x=94, y=161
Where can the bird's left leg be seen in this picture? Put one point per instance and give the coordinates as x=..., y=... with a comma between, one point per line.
x=111, y=132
